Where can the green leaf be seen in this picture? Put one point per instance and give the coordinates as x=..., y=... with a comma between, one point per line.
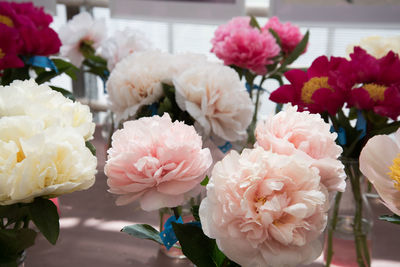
x=299, y=49
x=390, y=218
x=239, y=70
x=276, y=36
x=64, y=92
x=91, y=147
x=13, y=242
x=196, y=245
x=44, y=214
x=254, y=23
x=143, y=231
x=195, y=211
x=205, y=181
x=67, y=67
x=390, y=128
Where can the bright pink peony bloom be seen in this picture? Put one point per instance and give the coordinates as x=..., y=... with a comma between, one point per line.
x=157, y=161
x=8, y=48
x=237, y=43
x=32, y=14
x=322, y=88
x=290, y=132
x=289, y=34
x=378, y=82
x=265, y=209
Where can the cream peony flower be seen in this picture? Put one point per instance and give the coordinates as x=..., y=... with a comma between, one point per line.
x=265, y=209
x=291, y=132
x=380, y=163
x=377, y=46
x=156, y=161
x=81, y=28
x=214, y=96
x=51, y=107
x=122, y=44
x=42, y=148
x=136, y=81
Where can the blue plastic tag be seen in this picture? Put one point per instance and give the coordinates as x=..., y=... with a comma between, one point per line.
x=341, y=135
x=361, y=124
x=168, y=236
x=225, y=147
x=154, y=109
x=254, y=87
x=41, y=61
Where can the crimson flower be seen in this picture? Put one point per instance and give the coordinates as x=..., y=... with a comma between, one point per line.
x=376, y=82
x=8, y=48
x=320, y=89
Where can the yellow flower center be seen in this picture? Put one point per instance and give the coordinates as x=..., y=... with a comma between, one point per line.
x=20, y=156
x=395, y=172
x=6, y=20
x=311, y=86
x=2, y=54
x=376, y=91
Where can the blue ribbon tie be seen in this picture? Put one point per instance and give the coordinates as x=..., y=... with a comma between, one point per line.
x=168, y=236
x=226, y=147
x=41, y=61
x=361, y=124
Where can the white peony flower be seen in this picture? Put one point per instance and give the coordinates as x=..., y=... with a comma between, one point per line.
x=42, y=144
x=51, y=107
x=136, y=81
x=81, y=28
x=122, y=44
x=214, y=96
x=377, y=46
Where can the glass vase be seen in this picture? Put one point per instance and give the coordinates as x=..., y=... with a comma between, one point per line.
x=348, y=240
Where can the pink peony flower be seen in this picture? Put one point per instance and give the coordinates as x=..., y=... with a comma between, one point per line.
x=157, y=161
x=8, y=48
x=379, y=80
x=237, y=43
x=265, y=209
x=322, y=88
x=289, y=34
x=380, y=163
x=291, y=132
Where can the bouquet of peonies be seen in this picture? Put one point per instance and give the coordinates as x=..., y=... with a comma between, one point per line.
x=264, y=207
x=44, y=153
x=258, y=53
x=360, y=98
x=84, y=42
x=27, y=44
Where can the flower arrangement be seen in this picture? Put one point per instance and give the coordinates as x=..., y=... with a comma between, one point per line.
x=258, y=53
x=360, y=98
x=264, y=207
x=45, y=153
x=27, y=43
x=207, y=95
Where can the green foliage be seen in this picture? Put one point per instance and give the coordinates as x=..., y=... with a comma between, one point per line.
x=205, y=181
x=276, y=36
x=299, y=49
x=44, y=214
x=390, y=218
x=143, y=231
x=13, y=242
x=254, y=23
x=195, y=212
x=91, y=147
x=64, y=92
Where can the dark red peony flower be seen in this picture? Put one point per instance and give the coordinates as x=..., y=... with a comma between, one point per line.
x=376, y=83
x=9, y=48
x=320, y=89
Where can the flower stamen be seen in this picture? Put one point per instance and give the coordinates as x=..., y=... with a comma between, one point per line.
x=395, y=172
x=2, y=54
x=311, y=86
x=7, y=21
x=375, y=91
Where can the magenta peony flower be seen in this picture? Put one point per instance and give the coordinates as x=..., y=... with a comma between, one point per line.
x=8, y=48
x=377, y=82
x=157, y=161
x=289, y=34
x=32, y=24
x=265, y=209
x=237, y=43
x=291, y=132
x=321, y=88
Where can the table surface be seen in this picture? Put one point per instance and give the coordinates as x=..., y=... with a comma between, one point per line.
x=91, y=223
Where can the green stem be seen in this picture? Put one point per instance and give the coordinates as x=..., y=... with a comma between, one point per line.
x=176, y=212
x=26, y=222
x=251, y=138
x=1, y=223
x=332, y=229
x=359, y=235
